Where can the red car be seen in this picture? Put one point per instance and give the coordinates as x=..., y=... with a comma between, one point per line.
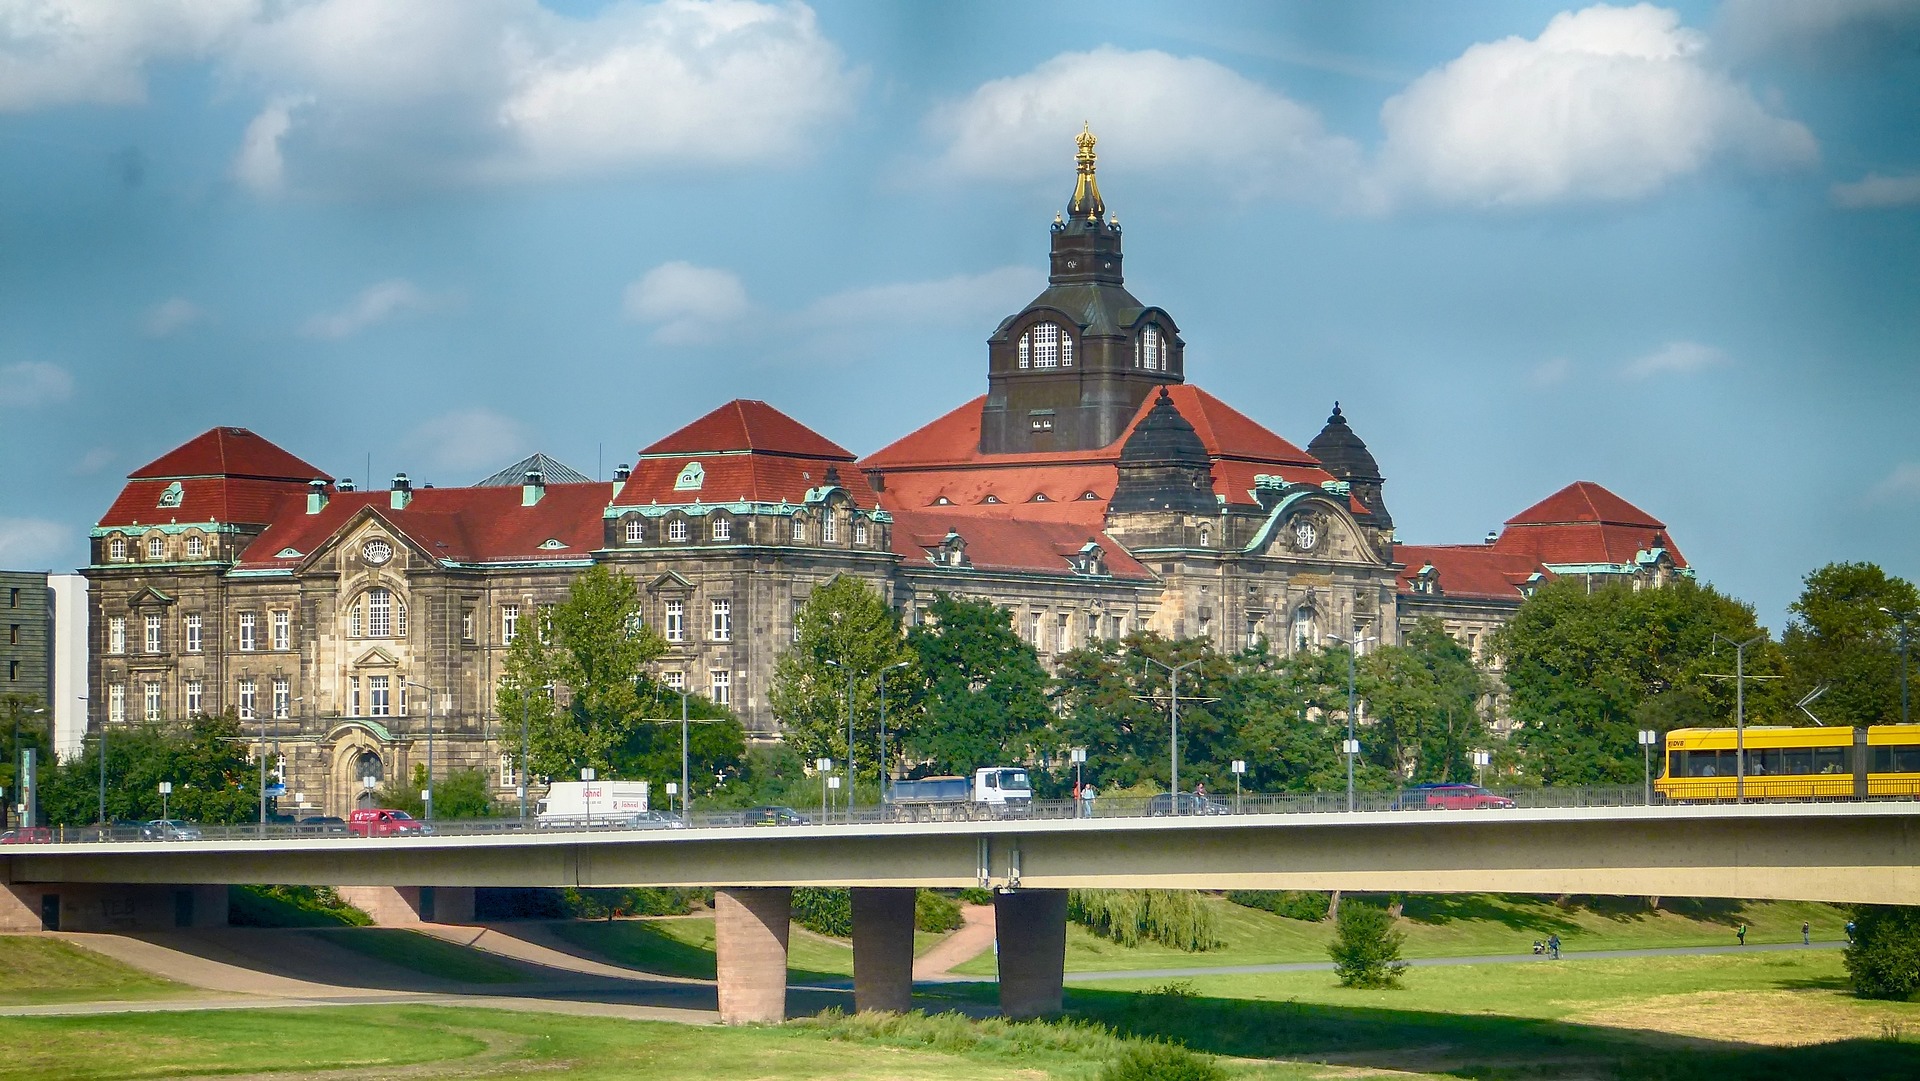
x=1449, y=797
x=27, y=835
x=382, y=822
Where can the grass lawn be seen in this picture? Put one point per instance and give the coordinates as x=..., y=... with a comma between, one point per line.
x=35, y=969
x=1464, y=925
x=684, y=947
x=423, y=953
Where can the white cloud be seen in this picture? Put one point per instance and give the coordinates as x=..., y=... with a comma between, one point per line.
x=170, y=317
x=32, y=382
x=376, y=304
x=26, y=542
x=1901, y=485
x=259, y=165
x=687, y=304
x=1607, y=103
x=92, y=462
x=1676, y=358
x=1551, y=372
x=60, y=52
x=1153, y=112
x=1876, y=192
x=468, y=439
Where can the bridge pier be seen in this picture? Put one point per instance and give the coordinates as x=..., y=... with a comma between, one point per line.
x=390, y=906
x=750, y=950
x=1031, y=940
x=69, y=906
x=883, y=948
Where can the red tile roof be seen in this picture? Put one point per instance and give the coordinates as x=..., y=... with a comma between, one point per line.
x=733, y=477
x=744, y=424
x=242, y=501
x=228, y=452
x=1585, y=523
x=1468, y=570
x=999, y=543
x=462, y=525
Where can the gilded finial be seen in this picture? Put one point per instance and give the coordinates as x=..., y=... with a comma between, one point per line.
x=1086, y=201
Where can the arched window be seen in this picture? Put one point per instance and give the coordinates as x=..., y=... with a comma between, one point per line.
x=117, y=548
x=1206, y=535
x=368, y=765
x=1046, y=345
x=1305, y=631
x=196, y=546
x=829, y=528
x=1150, y=352
x=379, y=611
x=799, y=529
x=156, y=547
x=636, y=530
x=677, y=530
x=722, y=528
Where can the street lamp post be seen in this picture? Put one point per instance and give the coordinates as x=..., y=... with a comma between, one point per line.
x=587, y=777
x=1173, y=725
x=833, y=783
x=1740, y=713
x=19, y=767
x=883, y=732
x=103, y=770
x=1351, y=748
x=1078, y=756
x=1481, y=759
x=1648, y=738
x=848, y=669
x=673, y=788
x=822, y=766
x=1239, y=771
x=524, y=727
x=426, y=796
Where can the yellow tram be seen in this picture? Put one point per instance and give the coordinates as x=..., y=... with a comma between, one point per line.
x=1793, y=763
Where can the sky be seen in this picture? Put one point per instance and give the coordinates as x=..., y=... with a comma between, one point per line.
x=1671, y=249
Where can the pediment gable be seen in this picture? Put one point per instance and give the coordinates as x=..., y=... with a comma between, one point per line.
x=670, y=582
x=376, y=658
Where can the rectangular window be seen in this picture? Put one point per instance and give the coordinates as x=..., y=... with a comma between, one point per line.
x=799, y=530
x=153, y=633
x=1117, y=627
x=153, y=701
x=193, y=632
x=466, y=624
x=282, y=698
x=798, y=607
x=246, y=700
x=677, y=680
x=13, y=635
x=117, y=703
x=860, y=532
x=283, y=629
x=247, y=642
x=379, y=613
x=676, y=621
x=400, y=619
x=723, y=621
x=353, y=620
x=196, y=548
x=194, y=694
x=403, y=699
x=509, y=623
x=378, y=702
x=722, y=529
x=636, y=531
x=1064, y=640
x=722, y=683
x=508, y=778
x=117, y=634
x=1033, y=629
x=353, y=696
x=829, y=528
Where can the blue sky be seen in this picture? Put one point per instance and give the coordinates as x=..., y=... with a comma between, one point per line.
x=1672, y=249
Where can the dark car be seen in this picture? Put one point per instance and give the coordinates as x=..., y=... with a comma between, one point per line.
x=1189, y=804
x=774, y=816
x=1449, y=797
x=323, y=824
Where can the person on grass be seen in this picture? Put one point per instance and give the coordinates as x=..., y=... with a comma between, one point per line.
x=1553, y=946
x=1741, y=932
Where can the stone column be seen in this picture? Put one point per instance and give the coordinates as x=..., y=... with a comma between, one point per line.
x=397, y=906
x=883, y=948
x=1031, y=930
x=750, y=948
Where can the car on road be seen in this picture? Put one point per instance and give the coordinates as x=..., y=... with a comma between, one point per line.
x=657, y=820
x=169, y=829
x=1449, y=797
x=322, y=824
x=383, y=822
x=1190, y=803
x=27, y=835
x=774, y=816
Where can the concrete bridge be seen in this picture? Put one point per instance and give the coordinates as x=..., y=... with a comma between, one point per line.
x=1845, y=852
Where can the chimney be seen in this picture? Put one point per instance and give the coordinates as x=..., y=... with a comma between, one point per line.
x=402, y=492
x=316, y=495
x=1492, y=536
x=621, y=474
x=345, y=485
x=534, y=488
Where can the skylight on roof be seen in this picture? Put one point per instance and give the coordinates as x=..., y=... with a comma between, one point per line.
x=288, y=553
x=691, y=479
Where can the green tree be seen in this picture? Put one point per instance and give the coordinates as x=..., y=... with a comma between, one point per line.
x=577, y=672
x=984, y=698
x=1114, y=701
x=1288, y=717
x=461, y=793
x=204, y=758
x=1424, y=698
x=716, y=743
x=1366, y=946
x=848, y=623
x=1845, y=634
x=1884, y=959
x=1587, y=668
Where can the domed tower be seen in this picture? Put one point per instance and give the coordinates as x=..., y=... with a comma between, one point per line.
x=1346, y=457
x=1071, y=369
x=1164, y=466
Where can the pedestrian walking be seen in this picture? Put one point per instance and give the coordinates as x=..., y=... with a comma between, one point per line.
x=1806, y=933
x=1849, y=932
x=1553, y=946
x=1087, y=795
x=1741, y=931
x=1079, y=809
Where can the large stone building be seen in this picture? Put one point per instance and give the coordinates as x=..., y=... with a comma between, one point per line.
x=1092, y=491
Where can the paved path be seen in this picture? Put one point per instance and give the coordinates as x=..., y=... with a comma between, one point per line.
x=974, y=938
x=1440, y=962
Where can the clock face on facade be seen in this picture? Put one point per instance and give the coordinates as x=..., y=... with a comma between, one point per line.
x=1306, y=536
x=376, y=552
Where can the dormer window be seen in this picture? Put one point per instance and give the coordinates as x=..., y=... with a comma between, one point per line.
x=677, y=530
x=798, y=530
x=196, y=547
x=1150, y=350
x=859, y=532
x=722, y=529
x=691, y=478
x=1040, y=497
x=117, y=548
x=636, y=530
x=173, y=496
x=1046, y=345
x=156, y=547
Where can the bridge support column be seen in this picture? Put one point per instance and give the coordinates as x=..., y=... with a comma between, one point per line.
x=106, y=907
x=390, y=906
x=750, y=949
x=883, y=948
x=1031, y=935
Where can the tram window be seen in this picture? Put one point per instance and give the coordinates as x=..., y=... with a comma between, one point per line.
x=1766, y=762
x=1831, y=760
x=1798, y=760
x=1709, y=763
x=1905, y=759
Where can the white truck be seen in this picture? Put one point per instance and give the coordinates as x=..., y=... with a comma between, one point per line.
x=593, y=803
x=994, y=792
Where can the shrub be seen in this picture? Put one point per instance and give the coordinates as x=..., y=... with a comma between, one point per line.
x=1884, y=960
x=291, y=906
x=606, y=903
x=1161, y=1062
x=1174, y=918
x=934, y=913
x=1309, y=905
x=824, y=911
x=975, y=895
x=1366, y=947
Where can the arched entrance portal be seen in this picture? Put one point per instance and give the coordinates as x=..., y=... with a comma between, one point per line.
x=360, y=751
x=367, y=767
